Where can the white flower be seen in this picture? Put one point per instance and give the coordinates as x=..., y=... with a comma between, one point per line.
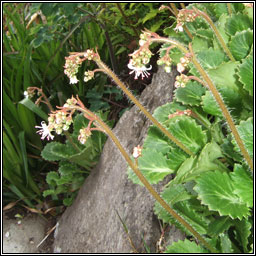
x=73, y=80
x=178, y=28
x=180, y=67
x=45, y=132
x=139, y=70
x=26, y=95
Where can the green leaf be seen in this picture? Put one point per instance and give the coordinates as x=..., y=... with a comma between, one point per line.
x=224, y=75
x=207, y=161
x=52, y=178
x=210, y=105
x=241, y=43
x=215, y=189
x=188, y=132
x=191, y=94
x=219, y=225
x=55, y=151
x=225, y=243
x=237, y=23
x=245, y=130
x=199, y=44
x=210, y=58
x=243, y=231
x=176, y=157
x=150, y=15
x=156, y=140
x=49, y=192
x=185, y=210
x=21, y=137
x=34, y=108
x=161, y=113
x=185, y=246
x=153, y=165
x=243, y=184
x=245, y=74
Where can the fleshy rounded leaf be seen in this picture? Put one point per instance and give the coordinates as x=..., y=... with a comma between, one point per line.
x=237, y=22
x=241, y=43
x=55, y=151
x=185, y=246
x=188, y=132
x=191, y=94
x=243, y=184
x=161, y=113
x=216, y=190
x=210, y=105
x=245, y=130
x=246, y=74
x=153, y=165
x=210, y=58
x=156, y=139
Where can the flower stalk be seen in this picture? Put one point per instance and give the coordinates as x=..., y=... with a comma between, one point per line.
x=214, y=91
x=134, y=167
x=138, y=104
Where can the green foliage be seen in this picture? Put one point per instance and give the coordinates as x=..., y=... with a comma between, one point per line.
x=76, y=161
x=185, y=246
x=213, y=189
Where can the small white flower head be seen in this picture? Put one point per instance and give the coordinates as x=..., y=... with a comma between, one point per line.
x=26, y=95
x=139, y=70
x=137, y=152
x=168, y=69
x=73, y=80
x=85, y=133
x=181, y=81
x=179, y=27
x=89, y=54
x=180, y=67
x=88, y=75
x=45, y=131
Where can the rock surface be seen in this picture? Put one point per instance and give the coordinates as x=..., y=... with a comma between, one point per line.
x=23, y=237
x=91, y=224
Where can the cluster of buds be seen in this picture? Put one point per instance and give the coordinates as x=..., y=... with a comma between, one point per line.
x=184, y=61
x=88, y=75
x=59, y=121
x=187, y=112
x=167, y=61
x=89, y=54
x=181, y=81
x=71, y=68
x=144, y=38
x=139, y=59
x=29, y=93
x=137, y=151
x=70, y=102
x=184, y=16
x=85, y=133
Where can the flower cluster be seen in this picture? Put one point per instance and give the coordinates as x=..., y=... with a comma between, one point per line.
x=167, y=61
x=144, y=37
x=70, y=102
x=88, y=75
x=139, y=59
x=29, y=93
x=89, y=54
x=187, y=112
x=184, y=16
x=181, y=81
x=60, y=121
x=71, y=68
x=85, y=133
x=184, y=61
x=137, y=151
